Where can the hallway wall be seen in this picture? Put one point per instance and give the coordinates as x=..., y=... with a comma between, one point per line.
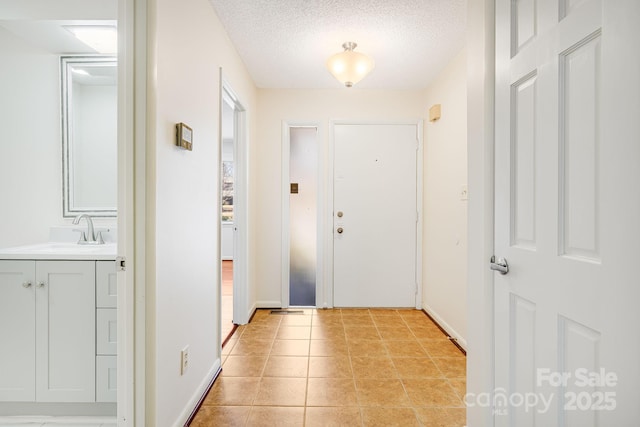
x=445, y=226
x=187, y=46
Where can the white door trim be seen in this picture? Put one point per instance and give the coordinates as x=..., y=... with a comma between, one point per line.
x=132, y=101
x=241, y=309
x=286, y=237
x=328, y=287
x=480, y=146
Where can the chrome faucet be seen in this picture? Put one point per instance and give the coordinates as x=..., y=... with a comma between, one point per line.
x=90, y=238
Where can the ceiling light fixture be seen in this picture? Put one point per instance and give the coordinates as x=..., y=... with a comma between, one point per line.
x=80, y=71
x=349, y=67
x=101, y=38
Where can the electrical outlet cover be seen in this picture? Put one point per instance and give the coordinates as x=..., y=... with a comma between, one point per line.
x=184, y=360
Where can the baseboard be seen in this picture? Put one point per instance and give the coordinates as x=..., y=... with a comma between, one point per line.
x=58, y=410
x=268, y=304
x=252, y=312
x=444, y=325
x=17, y=420
x=192, y=407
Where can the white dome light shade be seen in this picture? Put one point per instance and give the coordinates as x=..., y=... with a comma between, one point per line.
x=349, y=67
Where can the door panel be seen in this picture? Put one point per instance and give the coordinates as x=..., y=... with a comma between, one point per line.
x=523, y=163
x=579, y=146
x=375, y=215
x=560, y=174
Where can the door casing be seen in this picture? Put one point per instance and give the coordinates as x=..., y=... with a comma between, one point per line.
x=241, y=310
x=132, y=136
x=480, y=148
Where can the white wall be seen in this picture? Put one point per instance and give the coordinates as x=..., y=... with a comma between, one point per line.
x=445, y=214
x=30, y=145
x=187, y=45
x=320, y=106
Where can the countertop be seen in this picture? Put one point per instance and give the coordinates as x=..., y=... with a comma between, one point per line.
x=61, y=251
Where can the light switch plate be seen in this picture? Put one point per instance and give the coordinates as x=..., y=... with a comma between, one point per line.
x=464, y=192
x=184, y=360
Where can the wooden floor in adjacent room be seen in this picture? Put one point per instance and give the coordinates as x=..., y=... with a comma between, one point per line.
x=227, y=298
x=339, y=367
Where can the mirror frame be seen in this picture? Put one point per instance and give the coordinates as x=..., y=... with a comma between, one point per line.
x=66, y=62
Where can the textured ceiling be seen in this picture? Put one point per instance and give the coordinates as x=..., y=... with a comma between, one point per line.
x=285, y=43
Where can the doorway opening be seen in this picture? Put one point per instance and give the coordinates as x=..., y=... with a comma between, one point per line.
x=233, y=260
x=301, y=214
x=228, y=233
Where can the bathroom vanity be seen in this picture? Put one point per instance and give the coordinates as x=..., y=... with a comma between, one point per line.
x=58, y=324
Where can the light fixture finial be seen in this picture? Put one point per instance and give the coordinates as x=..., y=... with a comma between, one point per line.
x=349, y=45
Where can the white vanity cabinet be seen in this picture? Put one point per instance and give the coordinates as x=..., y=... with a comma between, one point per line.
x=47, y=327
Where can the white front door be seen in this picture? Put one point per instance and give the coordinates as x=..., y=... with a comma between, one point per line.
x=375, y=215
x=567, y=212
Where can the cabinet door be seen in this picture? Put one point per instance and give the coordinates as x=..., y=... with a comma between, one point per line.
x=106, y=284
x=65, y=331
x=17, y=331
x=106, y=379
x=106, y=331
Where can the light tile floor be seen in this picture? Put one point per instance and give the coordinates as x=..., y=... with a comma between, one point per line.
x=349, y=367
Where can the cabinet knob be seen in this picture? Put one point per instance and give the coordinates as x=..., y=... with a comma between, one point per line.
x=26, y=285
x=41, y=284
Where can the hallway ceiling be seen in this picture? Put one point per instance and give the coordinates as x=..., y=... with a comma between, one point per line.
x=285, y=43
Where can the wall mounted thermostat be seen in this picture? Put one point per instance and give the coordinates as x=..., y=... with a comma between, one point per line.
x=184, y=136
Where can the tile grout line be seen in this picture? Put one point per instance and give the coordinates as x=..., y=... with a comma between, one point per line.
x=331, y=338
x=260, y=382
x=306, y=390
x=353, y=374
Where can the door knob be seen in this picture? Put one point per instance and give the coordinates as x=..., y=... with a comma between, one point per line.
x=26, y=285
x=41, y=284
x=500, y=265
x=340, y=230
x=340, y=214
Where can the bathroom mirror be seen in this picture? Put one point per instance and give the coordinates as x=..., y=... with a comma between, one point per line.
x=89, y=130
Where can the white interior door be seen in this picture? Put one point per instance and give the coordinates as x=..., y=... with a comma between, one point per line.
x=375, y=215
x=566, y=152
